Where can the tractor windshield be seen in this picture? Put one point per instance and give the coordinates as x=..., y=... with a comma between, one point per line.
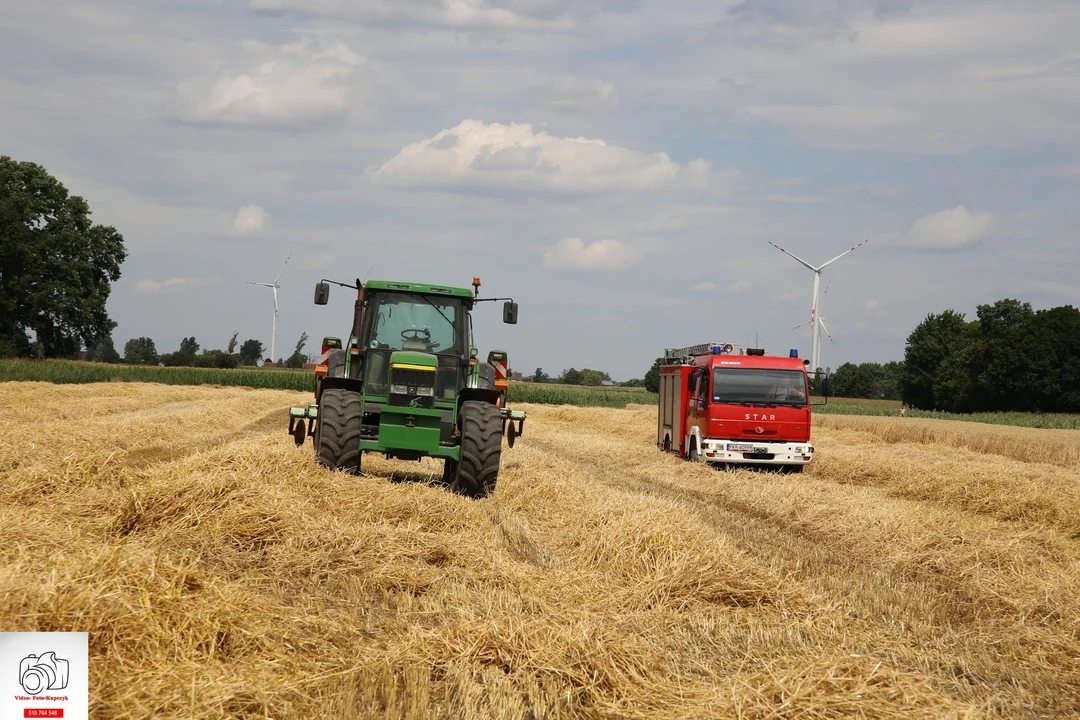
x=423, y=323
x=758, y=386
x=410, y=321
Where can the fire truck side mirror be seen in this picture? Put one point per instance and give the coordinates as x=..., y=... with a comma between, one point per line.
x=322, y=293
x=510, y=312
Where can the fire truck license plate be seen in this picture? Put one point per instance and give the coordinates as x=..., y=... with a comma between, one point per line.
x=744, y=447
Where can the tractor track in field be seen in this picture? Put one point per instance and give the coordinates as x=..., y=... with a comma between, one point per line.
x=822, y=563
x=147, y=456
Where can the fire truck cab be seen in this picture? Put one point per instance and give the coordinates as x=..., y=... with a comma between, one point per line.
x=723, y=405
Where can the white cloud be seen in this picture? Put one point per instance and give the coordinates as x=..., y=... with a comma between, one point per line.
x=573, y=253
x=871, y=306
x=250, y=220
x=578, y=94
x=499, y=157
x=291, y=84
x=946, y=78
x=531, y=15
x=663, y=224
x=789, y=22
x=737, y=286
x=153, y=286
x=949, y=229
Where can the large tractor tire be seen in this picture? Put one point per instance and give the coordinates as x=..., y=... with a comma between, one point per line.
x=481, y=450
x=337, y=432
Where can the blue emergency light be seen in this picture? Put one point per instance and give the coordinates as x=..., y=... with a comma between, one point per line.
x=793, y=353
x=717, y=350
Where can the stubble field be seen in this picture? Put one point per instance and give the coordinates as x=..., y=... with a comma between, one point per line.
x=919, y=568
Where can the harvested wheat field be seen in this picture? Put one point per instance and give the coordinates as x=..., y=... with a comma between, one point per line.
x=910, y=573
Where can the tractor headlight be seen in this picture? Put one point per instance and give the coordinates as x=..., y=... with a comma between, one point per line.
x=399, y=389
x=426, y=391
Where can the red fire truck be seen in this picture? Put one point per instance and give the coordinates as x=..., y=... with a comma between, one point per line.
x=722, y=404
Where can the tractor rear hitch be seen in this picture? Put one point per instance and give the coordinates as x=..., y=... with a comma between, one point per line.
x=297, y=427
x=511, y=432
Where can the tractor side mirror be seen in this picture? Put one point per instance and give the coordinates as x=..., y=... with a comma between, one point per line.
x=510, y=313
x=322, y=293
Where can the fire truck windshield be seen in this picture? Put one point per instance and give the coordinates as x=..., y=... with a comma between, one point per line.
x=758, y=386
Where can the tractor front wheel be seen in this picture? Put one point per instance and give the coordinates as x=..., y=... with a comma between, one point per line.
x=337, y=432
x=481, y=450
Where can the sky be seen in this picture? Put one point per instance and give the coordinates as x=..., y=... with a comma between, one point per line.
x=618, y=167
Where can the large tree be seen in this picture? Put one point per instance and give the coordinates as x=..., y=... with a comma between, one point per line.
x=930, y=378
x=652, y=377
x=140, y=351
x=571, y=377
x=298, y=358
x=105, y=352
x=56, y=266
x=250, y=352
x=185, y=356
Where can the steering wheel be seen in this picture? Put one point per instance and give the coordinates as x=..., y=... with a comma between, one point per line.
x=416, y=334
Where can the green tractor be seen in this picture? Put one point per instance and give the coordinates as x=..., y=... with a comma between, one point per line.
x=408, y=385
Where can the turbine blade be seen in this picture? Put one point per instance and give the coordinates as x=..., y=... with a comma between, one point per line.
x=794, y=256
x=808, y=322
x=282, y=269
x=822, y=321
x=275, y=305
x=261, y=284
x=844, y=253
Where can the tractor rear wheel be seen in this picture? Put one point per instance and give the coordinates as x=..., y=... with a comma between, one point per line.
x=337, y=434
x=481, y=450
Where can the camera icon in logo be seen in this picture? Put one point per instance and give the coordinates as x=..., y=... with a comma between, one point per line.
x=38, y=673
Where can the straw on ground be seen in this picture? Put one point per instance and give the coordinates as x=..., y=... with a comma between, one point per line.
x=923, y=572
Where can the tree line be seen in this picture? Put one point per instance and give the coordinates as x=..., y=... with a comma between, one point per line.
x=142, y=351
x=1009, y=358
x=572, y=376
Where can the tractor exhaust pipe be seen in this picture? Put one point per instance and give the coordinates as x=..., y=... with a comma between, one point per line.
x=358, y=310
x=358, y=323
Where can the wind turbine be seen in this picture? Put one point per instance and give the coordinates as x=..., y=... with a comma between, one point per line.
x=817, y=324
x=275, y=287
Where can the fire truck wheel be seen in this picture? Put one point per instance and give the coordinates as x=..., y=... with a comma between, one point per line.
x=667, y=443
x=692, y=455
x=481, y=449
x=337, y=433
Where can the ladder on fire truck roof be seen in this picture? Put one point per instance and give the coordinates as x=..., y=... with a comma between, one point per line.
x=673, y=356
